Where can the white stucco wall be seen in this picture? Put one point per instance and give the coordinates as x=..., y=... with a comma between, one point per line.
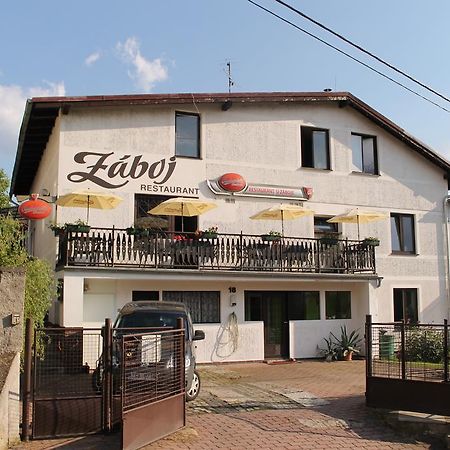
x=46, y=181
x=225, y=342
x=10, y=406
x=263, y=144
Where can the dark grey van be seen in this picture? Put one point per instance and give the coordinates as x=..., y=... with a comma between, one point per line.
x=158, y=314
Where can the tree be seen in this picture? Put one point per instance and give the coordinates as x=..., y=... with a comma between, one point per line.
x=40, y=285
x=4, y=185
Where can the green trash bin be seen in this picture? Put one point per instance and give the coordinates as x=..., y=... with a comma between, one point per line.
x=386, y=346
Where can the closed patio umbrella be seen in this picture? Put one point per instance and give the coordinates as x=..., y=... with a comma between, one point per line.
x=88, y=199
x=358, y=216
x=282, y=212
x=183, y=207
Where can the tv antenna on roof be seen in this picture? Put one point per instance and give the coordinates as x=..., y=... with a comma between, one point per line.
x=230, y=80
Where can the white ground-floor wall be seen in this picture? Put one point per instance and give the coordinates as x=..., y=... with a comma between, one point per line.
x=89, y=298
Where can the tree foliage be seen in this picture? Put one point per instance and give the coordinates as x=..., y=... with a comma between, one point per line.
x=40, y=286
x=4, y=185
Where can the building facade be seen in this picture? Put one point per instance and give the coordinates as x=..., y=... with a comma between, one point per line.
x=255, y=297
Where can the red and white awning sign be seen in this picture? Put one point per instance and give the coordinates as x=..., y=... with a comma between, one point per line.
x=233, y=184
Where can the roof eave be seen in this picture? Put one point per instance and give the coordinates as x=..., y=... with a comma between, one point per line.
x=23, y=128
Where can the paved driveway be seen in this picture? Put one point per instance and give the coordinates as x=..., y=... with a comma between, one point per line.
x=302, y=405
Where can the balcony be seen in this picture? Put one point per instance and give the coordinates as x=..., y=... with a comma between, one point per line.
x=112, y=247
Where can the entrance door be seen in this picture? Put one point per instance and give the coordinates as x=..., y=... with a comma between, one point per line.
x=271, y=308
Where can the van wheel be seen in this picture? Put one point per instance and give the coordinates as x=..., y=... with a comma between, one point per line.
x=195, y=388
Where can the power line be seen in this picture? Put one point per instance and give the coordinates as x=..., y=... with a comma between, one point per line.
x=367, y=52
x=349, y=56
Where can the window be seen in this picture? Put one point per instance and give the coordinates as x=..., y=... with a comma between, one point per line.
x=253, y=307
x=187, y=135
x=402, y=233
x=405, y=305
x=338, y=305
x=295, y=305
x=145, y=202
x=204, y=306
x=137, y=296
x=321, y=226
x=315, y=148
x=303, y=305
x=364, y=154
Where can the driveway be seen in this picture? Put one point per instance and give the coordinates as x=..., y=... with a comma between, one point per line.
x=301, y=405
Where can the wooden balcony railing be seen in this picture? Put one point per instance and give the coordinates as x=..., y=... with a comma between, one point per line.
x=102, y=247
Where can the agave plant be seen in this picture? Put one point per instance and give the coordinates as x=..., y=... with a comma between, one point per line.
x=330, y=352
x=347, y=344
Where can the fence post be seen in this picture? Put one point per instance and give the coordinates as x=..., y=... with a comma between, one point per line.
x=373, y=259
x=180, y=326
x=446, y=350
x=318, y=253
x=107, y=375
x=241, y=250
x=157, y=252
x=403, y=350
x=26, y=401
x=368, y=345
x=113, y=245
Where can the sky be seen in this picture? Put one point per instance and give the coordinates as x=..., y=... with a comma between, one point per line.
x=114, y=47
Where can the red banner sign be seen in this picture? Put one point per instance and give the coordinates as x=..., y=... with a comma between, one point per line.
x=235, y=184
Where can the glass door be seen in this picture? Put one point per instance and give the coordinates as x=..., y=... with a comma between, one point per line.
x=271, y=308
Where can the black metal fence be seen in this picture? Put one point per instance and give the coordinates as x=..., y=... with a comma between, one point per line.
x=151, y=367
x=408, y=366
x=102, y=247
x=79, y=381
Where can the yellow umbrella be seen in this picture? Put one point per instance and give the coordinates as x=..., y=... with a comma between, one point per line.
x=282, y=212
x=88, y=199
x=358, y=216
x=182, y=206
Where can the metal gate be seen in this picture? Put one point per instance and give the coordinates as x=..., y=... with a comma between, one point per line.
x=153, y=386
x=79, y=381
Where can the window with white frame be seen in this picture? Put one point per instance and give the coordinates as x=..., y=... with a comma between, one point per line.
x=315, y=148
x=402, y=233
x=338, y=305
x=364, y=154
x=204, y=306
x=405, y=305
x=187, y=135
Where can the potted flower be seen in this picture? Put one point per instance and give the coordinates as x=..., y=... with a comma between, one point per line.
x=347, y=344
x=137, y=231
x=371, y=242
x=58, y=230
x=271, y=236
x=329, y=239
x=77, y=227
x=210, y=233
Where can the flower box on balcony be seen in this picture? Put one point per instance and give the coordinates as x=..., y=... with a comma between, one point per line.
x=328, y=240
x=138, y=232
x=209, y=235
x=77, y=228
x=270, y=237
x=371, y=242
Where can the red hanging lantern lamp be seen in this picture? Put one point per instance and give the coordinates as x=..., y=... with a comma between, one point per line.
x=34, y=208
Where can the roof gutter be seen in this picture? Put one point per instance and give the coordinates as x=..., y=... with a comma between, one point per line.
x=23, y=128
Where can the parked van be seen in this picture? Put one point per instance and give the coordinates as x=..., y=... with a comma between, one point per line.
x=160, y=315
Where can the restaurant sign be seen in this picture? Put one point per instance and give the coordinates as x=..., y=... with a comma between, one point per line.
x=110, y=170
x=235, y=185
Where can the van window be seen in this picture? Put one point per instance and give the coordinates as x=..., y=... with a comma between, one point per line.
x=151, y=319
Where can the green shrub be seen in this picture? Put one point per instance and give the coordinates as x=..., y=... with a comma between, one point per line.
x=424, y=345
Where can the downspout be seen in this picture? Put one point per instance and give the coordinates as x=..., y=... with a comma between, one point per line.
x=447, y=241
